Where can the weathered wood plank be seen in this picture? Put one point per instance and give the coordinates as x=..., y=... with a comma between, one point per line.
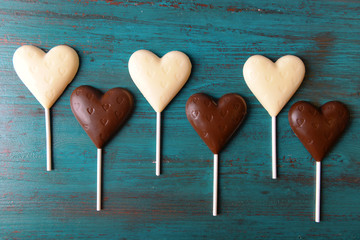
x=218, y=36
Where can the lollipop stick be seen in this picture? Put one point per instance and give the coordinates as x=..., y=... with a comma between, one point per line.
x=274, y=174
x=48, y=139
x=317, y=195
x=99, y=170
x=158, y=132
x=215, y=187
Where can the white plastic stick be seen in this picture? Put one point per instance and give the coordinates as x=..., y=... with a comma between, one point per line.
x=48, y=139
x=99, y=170
x=274, y=173
x=158, y=134
x=318, y=191
x=215, y=187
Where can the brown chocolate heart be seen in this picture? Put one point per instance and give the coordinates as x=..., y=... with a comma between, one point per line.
x=101, y=115
x=215, y=123
x=318, y=129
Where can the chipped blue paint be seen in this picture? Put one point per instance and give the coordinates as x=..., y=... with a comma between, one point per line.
x=218, y=36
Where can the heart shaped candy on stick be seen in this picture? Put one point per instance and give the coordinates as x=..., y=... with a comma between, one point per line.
x=101, y=116
x=46, y=75
x=215, y=123
x=159, y=80
x=273, y=84
x=318, y=130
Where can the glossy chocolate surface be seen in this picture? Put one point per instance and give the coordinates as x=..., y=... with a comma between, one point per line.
x=101, y=115
x=318, y=129
x=215, y=122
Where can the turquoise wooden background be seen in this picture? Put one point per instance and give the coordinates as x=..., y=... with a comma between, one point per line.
x=218, y=36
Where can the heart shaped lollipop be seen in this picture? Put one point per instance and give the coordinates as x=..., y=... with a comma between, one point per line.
x=273, y=84
x=215, y=123
x=159, y=80
x=318, y=130
x=46, y=75
x=101, y=116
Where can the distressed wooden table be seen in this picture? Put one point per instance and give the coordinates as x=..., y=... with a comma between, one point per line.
x=218, y=36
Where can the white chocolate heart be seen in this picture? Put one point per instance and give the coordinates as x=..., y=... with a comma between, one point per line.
x=273, y=84
x=159, y=79
x=46, y=75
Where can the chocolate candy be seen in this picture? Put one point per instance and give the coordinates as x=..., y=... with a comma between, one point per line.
x=273, y=83
x=159, y=79
x=46, y=75
x=318, y=129
x=215, y=123
x=101, y=115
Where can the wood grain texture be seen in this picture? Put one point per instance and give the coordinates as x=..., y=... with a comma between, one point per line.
x=218, y=36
